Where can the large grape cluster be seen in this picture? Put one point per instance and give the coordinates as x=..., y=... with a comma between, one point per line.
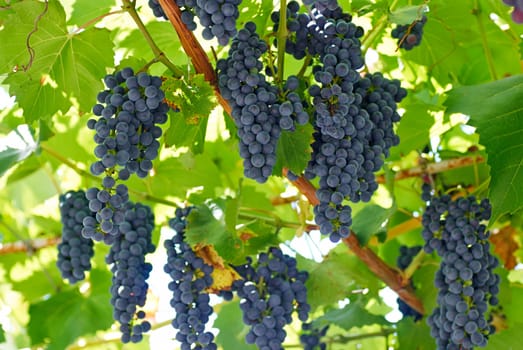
x=311, y=337
x=409, y=35
x=191, y=276
x=517, y=12
x=130, y=270
x=74, y=251
x=271, y=289
x=253, y=101
x=127, y=135
x=403, y=261
x=465, y=279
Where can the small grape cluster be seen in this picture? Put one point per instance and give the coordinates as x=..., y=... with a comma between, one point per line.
x=517, y=12
x=130, y=270
x=157, y=9
x=406, y=256
x=253, y=101
x=271, y=289
x=465, y=279
x=127, y=135
x=311, y=337
x=409, y=35
x=74, y=251
x=218, y=17
x=191, y=276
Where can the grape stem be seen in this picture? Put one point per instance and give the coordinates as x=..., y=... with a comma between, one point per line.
x=30, y=246
x=282, y=39
x=414, y=265
x=129, y=7
x=488, y=53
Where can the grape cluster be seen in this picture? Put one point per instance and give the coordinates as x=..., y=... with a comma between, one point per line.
x=409, y=35
x=271, y=289
x=74, y=251
x=311, y=337
x=254, y=102
x=403, y=261
x=191, y=276
x=218, y=17
x=517, y=12
x=309, y=32
x=465, y=279
x=127, y=135
x=130, y=270
x=346, y=165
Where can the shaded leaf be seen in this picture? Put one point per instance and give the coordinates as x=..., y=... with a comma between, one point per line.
x=370, y=221
x=499, y=121
x=294, y=150
x=232, y=329
x=18, y=145
x=352, y=315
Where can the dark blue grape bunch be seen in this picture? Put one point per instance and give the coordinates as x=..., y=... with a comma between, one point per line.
x=292, y=108
x=406, y=256
x=409, y=35
x=74, y=251
x=130, y=271
x=191, y=277
x=323, y=5
x=157, y=9
x=308, y=32
x=271, y=289
x=253, y=101
x=467, y=285
x=218, y=17
x=127, y=133
x=311, y=336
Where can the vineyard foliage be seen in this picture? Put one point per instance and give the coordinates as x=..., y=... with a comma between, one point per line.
x=461, y=131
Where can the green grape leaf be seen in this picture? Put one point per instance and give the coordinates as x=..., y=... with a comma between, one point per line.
x=194, y=99
x=413, y=130
x=64, y=64
x=76, y=315
x=232, y=329
x=370, y=221
x=294, y=149
x=331, y=280
x=509, y=339
x=352, y=315
x=414, y=335
x=407, y=14
x=2, y=334
x=204, y=228
x=499, y=122
x=17, y=146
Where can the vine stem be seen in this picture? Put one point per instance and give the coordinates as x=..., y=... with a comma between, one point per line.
x=84, y=173
x=282, y=38
x=434, y=168
x=488, y=53
x=392, y=277
x=31, y=246
x=128, y=6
